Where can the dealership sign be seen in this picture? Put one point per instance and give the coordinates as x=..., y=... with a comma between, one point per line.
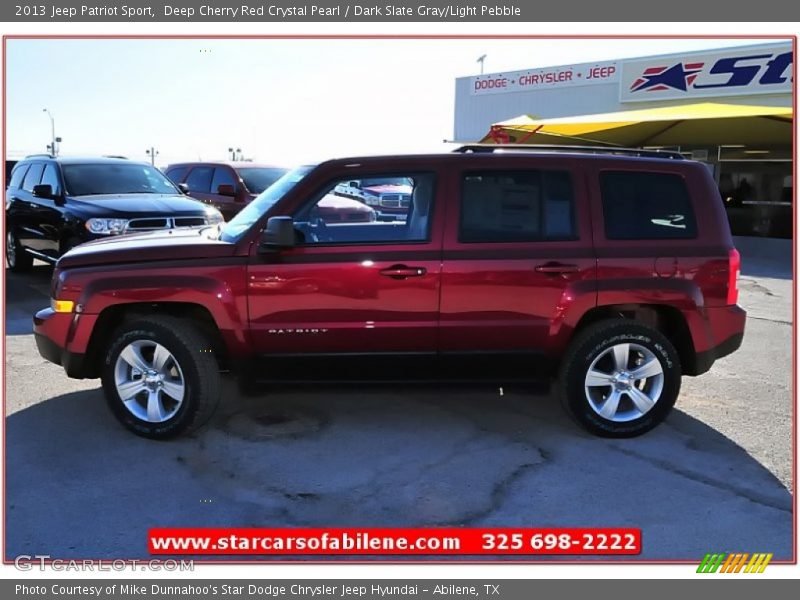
x=756, y=70
x=546, y=78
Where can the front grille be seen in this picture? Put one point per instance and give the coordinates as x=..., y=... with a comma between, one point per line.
x=395, y=200
x=156, y=223
x=189, y=221
x=145, y=224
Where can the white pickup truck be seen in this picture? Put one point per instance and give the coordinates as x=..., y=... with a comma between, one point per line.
x=389, y=196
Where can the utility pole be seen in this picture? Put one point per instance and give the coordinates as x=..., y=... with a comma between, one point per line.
x=480, y=60
x=152, y=152
x=52, y=147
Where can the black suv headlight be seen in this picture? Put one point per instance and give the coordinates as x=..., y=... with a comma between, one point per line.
x=106, y=226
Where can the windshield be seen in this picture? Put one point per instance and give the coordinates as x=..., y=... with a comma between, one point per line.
x=256, y=180
x=115, y=178
x=251, y=213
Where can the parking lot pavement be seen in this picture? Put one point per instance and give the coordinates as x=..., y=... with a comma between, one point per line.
x=715, y=477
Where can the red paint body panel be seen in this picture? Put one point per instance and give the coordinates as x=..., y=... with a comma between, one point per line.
x=452, y=296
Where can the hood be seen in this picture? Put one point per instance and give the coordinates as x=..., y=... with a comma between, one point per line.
x=175, y=244
x=134, y=205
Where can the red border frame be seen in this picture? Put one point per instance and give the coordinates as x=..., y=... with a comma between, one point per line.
x=435, y=561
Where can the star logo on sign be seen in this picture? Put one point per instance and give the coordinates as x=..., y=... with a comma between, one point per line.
x=677, y=77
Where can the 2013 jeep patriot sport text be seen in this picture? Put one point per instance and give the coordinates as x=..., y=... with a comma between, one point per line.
x=614, y=269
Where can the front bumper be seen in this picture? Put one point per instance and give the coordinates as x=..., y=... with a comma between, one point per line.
x=63, y=339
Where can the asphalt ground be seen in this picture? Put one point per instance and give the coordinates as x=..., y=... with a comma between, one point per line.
x=716, y=477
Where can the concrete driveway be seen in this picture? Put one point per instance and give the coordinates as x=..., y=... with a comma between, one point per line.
x=716, y=477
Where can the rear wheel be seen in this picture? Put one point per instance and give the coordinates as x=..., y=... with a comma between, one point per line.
x=620, y=378
x=160, y=377
x=17, y=259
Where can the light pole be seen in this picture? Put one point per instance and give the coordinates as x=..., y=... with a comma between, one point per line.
x=152, y=153
x=480, y=60
x=235, y=152
x=52, y=146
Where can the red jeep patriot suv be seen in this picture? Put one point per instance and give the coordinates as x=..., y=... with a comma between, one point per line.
x=614, y=269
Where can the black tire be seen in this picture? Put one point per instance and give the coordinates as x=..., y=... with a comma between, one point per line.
x=591, y=344
x=17, y=259
x=198, y=367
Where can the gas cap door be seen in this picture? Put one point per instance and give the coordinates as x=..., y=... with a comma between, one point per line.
x=666, y=266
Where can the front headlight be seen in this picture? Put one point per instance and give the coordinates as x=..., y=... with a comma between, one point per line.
x=372, y=201
x=214, y=217
x=106, y=226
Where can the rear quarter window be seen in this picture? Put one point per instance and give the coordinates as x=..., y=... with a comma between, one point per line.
x=646, y=206
x=17, y=175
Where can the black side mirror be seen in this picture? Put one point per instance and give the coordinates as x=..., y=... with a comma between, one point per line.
x=183, y=187
x=279, y=234
x=43, y=190
x=226, y=189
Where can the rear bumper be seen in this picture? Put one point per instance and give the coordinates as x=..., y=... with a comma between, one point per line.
x=726, y=324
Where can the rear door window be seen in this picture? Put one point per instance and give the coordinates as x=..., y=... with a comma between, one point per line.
x=517, y=206
x=33, y=177
x=199, y=179
x=646, y=206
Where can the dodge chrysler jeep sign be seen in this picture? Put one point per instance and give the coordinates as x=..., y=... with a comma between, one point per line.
x=545, y=78
x=753, y=70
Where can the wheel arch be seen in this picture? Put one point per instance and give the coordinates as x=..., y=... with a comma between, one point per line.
x=114, y=316
x=669, y=320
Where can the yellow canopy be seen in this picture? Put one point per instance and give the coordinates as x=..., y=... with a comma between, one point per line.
x=700, y=124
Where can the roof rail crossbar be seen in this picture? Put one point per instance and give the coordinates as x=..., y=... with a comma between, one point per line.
x=490, y=148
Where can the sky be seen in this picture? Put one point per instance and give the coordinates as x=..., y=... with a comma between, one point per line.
x=281, y=101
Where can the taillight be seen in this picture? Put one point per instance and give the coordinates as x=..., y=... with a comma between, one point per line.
x=734, y=264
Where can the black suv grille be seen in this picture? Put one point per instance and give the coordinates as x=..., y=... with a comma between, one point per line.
x=153, y=223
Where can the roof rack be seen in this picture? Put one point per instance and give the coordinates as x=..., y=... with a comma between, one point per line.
x=40, y=156
x=491, y=148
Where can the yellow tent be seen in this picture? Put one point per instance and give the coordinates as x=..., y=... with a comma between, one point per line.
x=703, y=124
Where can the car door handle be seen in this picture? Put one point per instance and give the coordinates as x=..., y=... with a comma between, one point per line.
x=554, y=268
x=402, y=271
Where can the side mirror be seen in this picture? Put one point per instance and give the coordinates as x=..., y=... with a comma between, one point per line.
x=279, y=234
x=43, y=190
x=184, y=188
x=226, y=189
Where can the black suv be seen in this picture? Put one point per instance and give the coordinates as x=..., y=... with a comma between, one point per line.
x=54, y=204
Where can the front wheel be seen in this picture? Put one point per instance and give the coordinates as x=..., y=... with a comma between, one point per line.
x=160, y=377
x=620, y=378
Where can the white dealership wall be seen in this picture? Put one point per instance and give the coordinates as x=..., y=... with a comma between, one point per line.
x=589, y=88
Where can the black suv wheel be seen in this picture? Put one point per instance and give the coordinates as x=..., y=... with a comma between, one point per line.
x=160, y=377
x=620, y=378
x=17, y=259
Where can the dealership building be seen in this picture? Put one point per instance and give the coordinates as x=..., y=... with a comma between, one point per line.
x=730, y=108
